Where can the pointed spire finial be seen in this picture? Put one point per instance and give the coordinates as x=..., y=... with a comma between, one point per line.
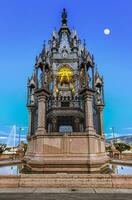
x=84, y=44
x=43, y=49
x=36, y=59
x=92, y=57
x=64, y=17
x=96, y=68
x=44, y=44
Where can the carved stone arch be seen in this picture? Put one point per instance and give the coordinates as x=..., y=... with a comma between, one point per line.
x=65, y=73
x=40, y=66
x=32, y=85
x=65, y=65
x=98, y=82
x=32, y=82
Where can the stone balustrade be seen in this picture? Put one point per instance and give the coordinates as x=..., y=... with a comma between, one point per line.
x=65, y=102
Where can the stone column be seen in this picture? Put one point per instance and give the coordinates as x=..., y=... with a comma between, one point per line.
x=88, y=98
x=30, y=110
x=54, y=124
x=36, y=79
x=41, y=115
x=76, y=124
x=100, y=119
x=93, y=78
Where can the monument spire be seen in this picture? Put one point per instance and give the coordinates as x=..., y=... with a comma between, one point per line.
x=64, y=27
x=64, y=17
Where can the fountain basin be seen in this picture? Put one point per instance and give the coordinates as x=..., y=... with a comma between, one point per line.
x=16, y=168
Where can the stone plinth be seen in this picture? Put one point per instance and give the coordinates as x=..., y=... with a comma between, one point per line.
x=66, y=181
x=70, y=153
x=9, y=181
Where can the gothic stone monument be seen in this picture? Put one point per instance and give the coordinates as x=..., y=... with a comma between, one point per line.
x=65, y=103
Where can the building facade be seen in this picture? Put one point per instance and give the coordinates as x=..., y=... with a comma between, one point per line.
x=65, y=103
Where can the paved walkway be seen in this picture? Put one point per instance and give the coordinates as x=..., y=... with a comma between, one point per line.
x=64, y=190
x=63, y=194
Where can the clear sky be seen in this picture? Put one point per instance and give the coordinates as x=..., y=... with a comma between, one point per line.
x=25, y=24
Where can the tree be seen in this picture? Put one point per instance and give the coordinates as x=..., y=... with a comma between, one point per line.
x=108, y=148
x=2, y=148
x=122, y=146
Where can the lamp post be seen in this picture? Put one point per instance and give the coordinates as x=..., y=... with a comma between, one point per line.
x=20, y=129
x=113, y=132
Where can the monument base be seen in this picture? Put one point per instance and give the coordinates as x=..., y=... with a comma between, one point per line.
x=67, y=153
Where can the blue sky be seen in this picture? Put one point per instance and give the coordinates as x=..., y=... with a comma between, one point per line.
x=24, y=25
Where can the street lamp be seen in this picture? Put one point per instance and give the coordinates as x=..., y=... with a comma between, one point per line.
x=20, y=129
x=113, y=132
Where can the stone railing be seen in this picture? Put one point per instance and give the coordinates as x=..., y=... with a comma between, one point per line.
x=65, y=102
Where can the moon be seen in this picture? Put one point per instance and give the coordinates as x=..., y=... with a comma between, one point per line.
x=107, y=31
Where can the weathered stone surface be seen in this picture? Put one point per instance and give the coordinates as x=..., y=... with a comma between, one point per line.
x=121, y=181
x=9, y=181
x=66, y=181
x=66, y=153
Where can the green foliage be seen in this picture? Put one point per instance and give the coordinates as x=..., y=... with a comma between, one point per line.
x=108, y=148
x=122, y=147
x=2, y=148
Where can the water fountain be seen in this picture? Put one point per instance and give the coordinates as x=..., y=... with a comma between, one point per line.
x=11, y=140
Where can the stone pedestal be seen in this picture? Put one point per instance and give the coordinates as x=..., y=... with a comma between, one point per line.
x=67, y=153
